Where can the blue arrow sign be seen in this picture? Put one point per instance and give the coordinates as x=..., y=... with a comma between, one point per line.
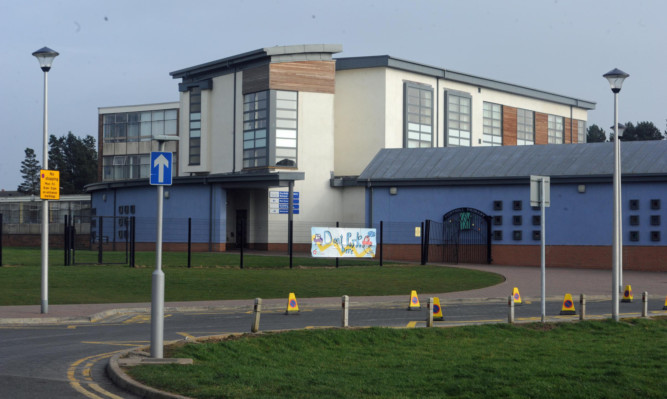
x=161, y=164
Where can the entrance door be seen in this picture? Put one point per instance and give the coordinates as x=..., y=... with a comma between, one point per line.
x=241, y=228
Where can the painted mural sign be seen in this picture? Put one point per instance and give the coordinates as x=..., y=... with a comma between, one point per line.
x=339, y=242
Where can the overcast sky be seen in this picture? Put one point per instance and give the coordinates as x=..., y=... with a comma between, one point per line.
x=121, y=52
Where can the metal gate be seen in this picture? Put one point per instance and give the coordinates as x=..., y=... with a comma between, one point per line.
x=466, y=236
x=112, y=241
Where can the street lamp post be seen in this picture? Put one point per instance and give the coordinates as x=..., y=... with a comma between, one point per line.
x=45, y=56
x=616, y=78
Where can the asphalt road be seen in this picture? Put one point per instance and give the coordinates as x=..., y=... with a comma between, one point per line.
x=68, y=361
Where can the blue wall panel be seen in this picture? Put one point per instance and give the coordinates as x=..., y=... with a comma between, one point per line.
x=185, y=201
x=574, y=218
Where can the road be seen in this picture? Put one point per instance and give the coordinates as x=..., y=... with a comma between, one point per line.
x=68, y=361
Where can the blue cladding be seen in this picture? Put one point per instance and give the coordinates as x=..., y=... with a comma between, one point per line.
x=573, y=219
x=205, y=204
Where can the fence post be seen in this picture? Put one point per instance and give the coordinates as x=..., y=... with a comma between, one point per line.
x=257, y=311
x=510, y=314
x=645, y=303
x=1, y=228
x=422, y=260
x=66, y=241
x=133, y=240
x=100, y=238
x=241, y=232
x=290, y=232
x=346, y=307
x=189, y=241
x=381, y=239
x=341, y=243
x=427, y=238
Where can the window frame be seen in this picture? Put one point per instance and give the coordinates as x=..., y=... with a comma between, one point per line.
x=449, y=121
x=521, y=131
x=421, y=88
x=488, y=124
x=555, y=135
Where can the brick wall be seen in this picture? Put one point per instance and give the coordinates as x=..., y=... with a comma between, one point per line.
x=509, y=125
x=541, y=128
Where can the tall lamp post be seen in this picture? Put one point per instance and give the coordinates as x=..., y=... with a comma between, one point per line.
x=616, y=78
x=45, y=57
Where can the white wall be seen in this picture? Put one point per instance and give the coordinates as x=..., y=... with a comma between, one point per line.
x=359, y=118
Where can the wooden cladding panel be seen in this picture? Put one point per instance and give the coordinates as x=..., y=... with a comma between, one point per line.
x=575, y=131
x=509, y=125
x=567, y=134
x=256, y=79
x=541, y=128
x=311, y=76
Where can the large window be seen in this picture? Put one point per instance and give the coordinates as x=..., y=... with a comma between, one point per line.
x=493, y=125
x=274, y=143
x=139, y=126
x=525, y=127
x=194, y=155
x=459, y=115
x=286, y=122
x=555, y=129
x=581, y=131
x=122, y=167
x=418, y=115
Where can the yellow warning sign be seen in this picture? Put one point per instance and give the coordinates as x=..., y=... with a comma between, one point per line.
x=49, y=184
x=292, y=305
x=414, y=301
x=517, y=296
x=568, y=305
x=437, y=310
x=627, y=294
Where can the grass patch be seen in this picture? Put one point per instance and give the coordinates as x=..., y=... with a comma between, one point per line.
x=20, y=282
x=576, y=360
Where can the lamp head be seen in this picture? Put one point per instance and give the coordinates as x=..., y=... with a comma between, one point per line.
x=621, y=129
x=45, y=57
x=616, y=78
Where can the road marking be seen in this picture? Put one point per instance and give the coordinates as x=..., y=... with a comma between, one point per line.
x=71, y=327
x=129, y=343
x=186, y=335
x=85, y=372
x=141, y=318
x=411, y=324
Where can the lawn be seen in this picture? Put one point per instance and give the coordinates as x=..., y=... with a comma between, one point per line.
x=601, y=359
x=216, y=278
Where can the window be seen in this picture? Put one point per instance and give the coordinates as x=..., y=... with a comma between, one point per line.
x=286, y=123
x=139, y=126
x=525, y=127
x=493, y=125
x=123, y=167
x=418, y=115
x=555, y=129
x=459, y=114
x=270, y=129
x=194, y=155
x=581, y=131
x=255, y=126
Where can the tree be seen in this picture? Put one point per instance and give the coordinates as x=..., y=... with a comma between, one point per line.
x=595, y=134
x=76, y=159
x=30, y=173
x=643, y=131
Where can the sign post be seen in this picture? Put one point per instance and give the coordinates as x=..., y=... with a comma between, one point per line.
x=540, y=195
x=161, y=172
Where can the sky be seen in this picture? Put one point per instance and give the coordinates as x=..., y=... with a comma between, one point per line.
x=121, y=52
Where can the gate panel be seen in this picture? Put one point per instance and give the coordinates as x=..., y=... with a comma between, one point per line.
x=466, y=236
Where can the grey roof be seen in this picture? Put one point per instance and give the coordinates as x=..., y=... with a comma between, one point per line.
x=345, y=63
x=300, y=52
x=645, y=159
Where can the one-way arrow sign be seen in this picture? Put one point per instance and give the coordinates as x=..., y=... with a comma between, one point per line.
x=161, y=163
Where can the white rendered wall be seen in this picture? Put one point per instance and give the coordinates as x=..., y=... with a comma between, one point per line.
x=359, y=118
x=315, y=156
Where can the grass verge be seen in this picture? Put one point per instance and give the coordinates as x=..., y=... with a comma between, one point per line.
x=568, y=360
x=20, y=283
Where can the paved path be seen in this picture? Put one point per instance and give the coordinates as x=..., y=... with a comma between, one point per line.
x=559, y=282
